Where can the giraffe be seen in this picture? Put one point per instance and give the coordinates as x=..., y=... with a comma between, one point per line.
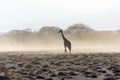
x=67, y=44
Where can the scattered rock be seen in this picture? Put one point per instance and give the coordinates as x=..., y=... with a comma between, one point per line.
x=116, y=71
x=102, y=71
x=28, y=66
x=49, y=79
x=61, y=74
x=44, y=70
x=72, y=73
x=4, y=78
x=20, y=65
x=46, y=66
x=40, y=77
x=108, y=78
x=53, y=75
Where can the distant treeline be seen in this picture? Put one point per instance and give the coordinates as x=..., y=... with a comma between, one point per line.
x=49, y=34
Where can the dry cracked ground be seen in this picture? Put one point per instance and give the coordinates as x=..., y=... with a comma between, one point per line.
x=36, y=66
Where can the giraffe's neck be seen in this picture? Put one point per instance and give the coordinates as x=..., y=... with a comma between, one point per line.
x=63, y=36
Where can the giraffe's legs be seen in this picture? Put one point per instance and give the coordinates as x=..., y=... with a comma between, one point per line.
x=69, y=50
x=65, y=49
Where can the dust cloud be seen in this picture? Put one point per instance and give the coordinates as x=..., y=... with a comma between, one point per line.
x=47, y=39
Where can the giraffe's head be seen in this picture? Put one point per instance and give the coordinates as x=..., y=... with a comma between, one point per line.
x=60, y=31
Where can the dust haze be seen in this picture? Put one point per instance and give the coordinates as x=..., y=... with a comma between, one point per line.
x=47, y=39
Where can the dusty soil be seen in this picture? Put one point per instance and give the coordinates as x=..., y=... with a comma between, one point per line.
x=81, y=66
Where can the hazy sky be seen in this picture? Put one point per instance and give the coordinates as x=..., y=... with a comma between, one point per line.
x=22, y=14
